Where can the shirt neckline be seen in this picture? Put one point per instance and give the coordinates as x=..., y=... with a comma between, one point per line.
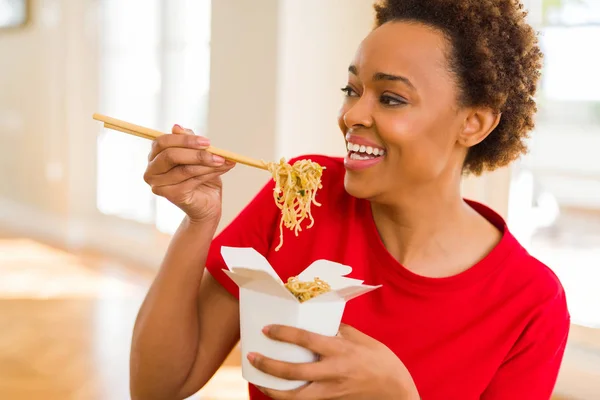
x=485, y=266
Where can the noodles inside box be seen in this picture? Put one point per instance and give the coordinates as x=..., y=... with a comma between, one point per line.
x=264, y=300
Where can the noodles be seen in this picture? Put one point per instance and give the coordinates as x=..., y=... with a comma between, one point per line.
x=295, y=190
x=306, y=290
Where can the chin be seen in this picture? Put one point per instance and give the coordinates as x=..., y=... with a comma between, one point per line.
x=359, y=188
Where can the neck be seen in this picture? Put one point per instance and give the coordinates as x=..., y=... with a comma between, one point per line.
x=423, y=227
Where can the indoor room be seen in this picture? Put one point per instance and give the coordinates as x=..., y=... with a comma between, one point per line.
x=83, y=236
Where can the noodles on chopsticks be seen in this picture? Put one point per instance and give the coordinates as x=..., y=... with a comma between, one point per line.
x=295, y=190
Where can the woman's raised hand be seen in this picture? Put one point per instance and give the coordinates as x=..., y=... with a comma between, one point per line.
x=182, y=171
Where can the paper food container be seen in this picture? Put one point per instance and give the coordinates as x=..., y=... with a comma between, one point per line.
x=264, y=300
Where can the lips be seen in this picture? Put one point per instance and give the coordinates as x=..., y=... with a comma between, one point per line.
x=362, y=153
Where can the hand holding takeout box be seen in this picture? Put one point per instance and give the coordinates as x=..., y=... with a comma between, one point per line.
x=264, y=300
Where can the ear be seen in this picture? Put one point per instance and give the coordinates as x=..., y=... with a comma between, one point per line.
x=480, y=122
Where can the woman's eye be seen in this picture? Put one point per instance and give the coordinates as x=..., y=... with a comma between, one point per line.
x=349, y=91
x=392, y=101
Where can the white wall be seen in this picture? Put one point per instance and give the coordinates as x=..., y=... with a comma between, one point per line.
x=32, y=112
x=243, y=94
x=48, y=138
x=312, y=71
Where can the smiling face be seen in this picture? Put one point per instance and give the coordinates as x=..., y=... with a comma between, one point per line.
x=402, y=102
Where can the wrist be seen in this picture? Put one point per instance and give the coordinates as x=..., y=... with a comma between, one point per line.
x=197, y=230
x=211, y=222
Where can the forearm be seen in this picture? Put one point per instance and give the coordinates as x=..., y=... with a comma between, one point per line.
x=165, y=336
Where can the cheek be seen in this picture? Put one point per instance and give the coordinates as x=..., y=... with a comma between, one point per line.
x=420, y=145
x=401, y=133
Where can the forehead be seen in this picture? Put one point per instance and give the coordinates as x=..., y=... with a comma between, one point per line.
x=409, y=48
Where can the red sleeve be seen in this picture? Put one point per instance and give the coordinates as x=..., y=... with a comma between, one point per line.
x=531, y=368
x=253, y=227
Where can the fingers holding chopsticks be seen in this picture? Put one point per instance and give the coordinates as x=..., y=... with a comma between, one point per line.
x=172, y=157
x=182, y=173
x=181, y=138
x=181, y=156
x=181, y=170
x=178, y=192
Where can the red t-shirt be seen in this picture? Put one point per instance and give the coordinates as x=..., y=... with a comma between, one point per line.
x=495, y=331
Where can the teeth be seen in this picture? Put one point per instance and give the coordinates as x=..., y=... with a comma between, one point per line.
x=356, y=156
x=353, y=147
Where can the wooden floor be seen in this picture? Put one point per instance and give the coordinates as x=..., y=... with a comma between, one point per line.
x=66, y=323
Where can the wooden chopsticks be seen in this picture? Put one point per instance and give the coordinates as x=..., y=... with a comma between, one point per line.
x=151, y=134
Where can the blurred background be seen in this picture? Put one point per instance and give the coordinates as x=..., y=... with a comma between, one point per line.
x=81, y=235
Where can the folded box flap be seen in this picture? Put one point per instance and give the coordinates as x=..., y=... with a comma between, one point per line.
x=259, y=281
x=352, y=292
x=331, y=272
x=248, y=258
x=239, y=279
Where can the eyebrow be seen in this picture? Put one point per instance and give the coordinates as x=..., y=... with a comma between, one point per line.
x=381, y=76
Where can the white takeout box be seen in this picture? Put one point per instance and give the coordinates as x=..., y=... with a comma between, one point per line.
x=264, y=300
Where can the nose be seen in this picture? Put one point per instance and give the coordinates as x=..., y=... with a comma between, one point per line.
x=359, y=114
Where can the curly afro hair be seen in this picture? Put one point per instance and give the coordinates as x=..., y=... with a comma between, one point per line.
x=497, y=63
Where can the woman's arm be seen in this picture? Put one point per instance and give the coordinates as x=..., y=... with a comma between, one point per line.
x=189, y=321
x=187, y=324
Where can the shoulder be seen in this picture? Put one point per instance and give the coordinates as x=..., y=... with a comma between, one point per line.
x=533, y=308
x=530, y=283
x=544, y=282
x=538, y=283
x=524, y=272
x=540, y=279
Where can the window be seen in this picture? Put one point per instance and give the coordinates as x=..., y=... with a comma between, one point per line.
x=154, y=72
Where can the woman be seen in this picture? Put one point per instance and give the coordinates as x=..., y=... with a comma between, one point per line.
x=441, y=88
